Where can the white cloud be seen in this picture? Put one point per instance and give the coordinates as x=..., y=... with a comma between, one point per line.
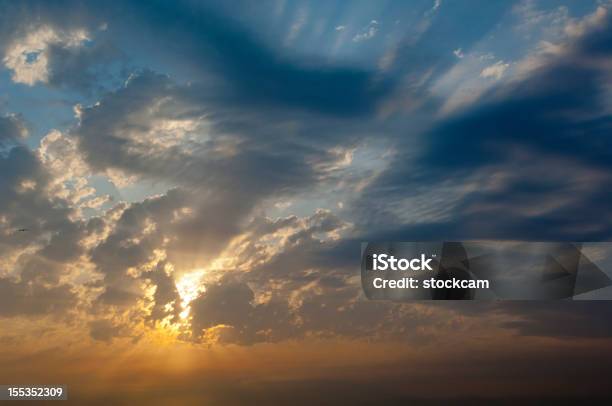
x=368, y=33
x=458, y=53
x=28, y=57
x=70, y=174
x=495, y=71
x=341, y=28
x=59, y=154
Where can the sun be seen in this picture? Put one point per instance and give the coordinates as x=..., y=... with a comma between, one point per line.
x=189, y=287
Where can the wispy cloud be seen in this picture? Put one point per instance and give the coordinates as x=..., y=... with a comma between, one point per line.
x=368, y=32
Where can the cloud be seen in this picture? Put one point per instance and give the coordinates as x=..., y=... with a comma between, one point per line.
x=136, y=242
x=28, y=57
x=27, y=204
x=495, y=71
x=67, y=50
x=166, y=294
x=522, y=176
x=12, y=130
x=211, y=43
x=369, y=32
x=34, y=261
x=458, y=53
x=229, y=304
x=69, y=173
x=420, y=61
x=27, y=299
x=291, y=278
x=153, y=127
x=105, y=330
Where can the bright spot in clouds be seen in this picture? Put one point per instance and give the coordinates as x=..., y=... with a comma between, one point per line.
x=28, y=57
x=495, y=71
x=189, y=287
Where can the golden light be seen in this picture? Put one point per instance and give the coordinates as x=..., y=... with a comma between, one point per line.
x=189, y=287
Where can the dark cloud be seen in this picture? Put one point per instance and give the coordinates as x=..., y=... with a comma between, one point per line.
x=223, y=157
x=255, y=73
x=65, y=246
x=207, y=40
x=130, y=245
x=12, y=130
x=87, y=69
x=229, y=306
x=105, y=330
x=26, y=204
x=34, y=299
x=183, y=224
x=120, y=132
x=33, y=287
x=306, y=288
x=165, y=294
x=530, y=160
x=323, y=306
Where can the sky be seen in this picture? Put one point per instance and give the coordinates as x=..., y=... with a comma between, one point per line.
x=185, y=187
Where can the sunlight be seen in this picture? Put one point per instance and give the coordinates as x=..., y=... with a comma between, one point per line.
x=189, y=286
